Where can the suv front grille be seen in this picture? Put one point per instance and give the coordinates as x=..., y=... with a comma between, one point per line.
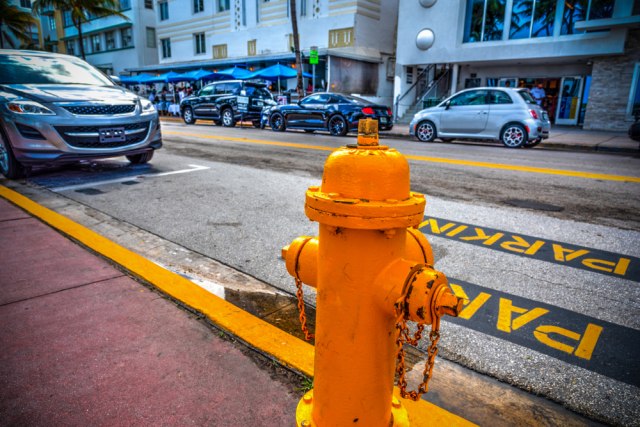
x=94, y=110
x=88, y=136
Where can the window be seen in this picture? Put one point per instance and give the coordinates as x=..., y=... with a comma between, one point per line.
x=499, y=97
x=151, y=37
x=579, y=10
x=634, y=94
x=320, y=98
x=148, y=4
x=25, y=4
x=532, y=18
x=86, y=45
x=223, y=5
x=473, y=97
x=110, y=37
x=71, y=47
x=251, y=47
x=207, y=90
x=166, y=48
x=198, y=6
x=127, y=37
x=52, y=23
x=199, y=41
x=219, y=51
x=67, y=21
x=484, y=20
x=95, y=43
x=163, y=6
x=125, y=4
x=341, y=38
x=303, y=7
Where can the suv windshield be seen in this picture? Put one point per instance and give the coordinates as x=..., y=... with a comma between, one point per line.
x=16, y=68
x=524, y=93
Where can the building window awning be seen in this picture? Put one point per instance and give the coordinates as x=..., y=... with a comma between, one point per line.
x=101, y=30
x=608, y=23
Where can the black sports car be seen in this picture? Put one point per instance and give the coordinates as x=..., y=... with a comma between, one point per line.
x=334, y=112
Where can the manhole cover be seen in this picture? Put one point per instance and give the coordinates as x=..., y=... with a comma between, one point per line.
x=533, y=204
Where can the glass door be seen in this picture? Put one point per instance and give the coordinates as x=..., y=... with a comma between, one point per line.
x=568, y=108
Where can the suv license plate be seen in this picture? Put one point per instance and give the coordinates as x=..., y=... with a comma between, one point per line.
x=112, y=135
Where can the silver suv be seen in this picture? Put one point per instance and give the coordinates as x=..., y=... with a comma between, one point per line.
x=57, y=108
x=509, y=115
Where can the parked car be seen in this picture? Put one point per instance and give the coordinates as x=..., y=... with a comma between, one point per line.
x=226, y=102
x=337, y=113
x=495, y=113
x=57, y=108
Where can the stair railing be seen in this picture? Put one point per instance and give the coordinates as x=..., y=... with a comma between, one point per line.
x=422, y=75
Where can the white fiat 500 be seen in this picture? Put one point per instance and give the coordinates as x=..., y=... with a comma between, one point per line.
x=493, y=113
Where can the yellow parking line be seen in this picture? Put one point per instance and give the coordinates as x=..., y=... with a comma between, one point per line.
x=287, y=349
x=488, y=165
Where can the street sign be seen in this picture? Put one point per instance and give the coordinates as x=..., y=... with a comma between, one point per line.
x=313, y=55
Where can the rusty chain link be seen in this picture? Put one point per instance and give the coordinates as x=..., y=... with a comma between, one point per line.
x=405, y=338
x=303, y=316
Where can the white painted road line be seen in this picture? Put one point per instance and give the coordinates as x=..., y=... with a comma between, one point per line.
x=193, y=168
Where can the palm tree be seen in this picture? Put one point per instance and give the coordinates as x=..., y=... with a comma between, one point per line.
x=80, y=11
x=296, y=47
x=16, y=20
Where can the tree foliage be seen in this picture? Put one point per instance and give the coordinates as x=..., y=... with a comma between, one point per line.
x=17, y=21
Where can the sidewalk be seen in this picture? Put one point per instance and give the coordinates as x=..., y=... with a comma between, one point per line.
x=85, y=344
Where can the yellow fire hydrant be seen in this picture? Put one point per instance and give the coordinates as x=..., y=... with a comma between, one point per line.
x=373, y=272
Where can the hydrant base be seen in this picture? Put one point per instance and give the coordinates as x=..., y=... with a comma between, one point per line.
x=305, y=408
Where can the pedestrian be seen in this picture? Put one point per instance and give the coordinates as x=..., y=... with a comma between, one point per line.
x=163, y=104
x=538, y=94
x=309, y=88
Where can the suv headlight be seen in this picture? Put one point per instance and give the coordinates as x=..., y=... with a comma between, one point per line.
x=146, y=105
x=29, y=107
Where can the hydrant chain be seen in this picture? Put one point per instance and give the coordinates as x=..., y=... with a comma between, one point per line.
x=303, y=316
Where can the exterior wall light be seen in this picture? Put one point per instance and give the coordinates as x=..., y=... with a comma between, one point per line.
x=425, y=39
x=427, y=3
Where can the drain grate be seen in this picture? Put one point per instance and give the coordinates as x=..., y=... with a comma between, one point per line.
x=533, y=204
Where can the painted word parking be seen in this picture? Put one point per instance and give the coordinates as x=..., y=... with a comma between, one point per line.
x=606, y=348
x=594, y=260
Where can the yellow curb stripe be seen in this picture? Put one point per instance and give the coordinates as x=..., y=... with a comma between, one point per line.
x=488, y=165
x=287, y=349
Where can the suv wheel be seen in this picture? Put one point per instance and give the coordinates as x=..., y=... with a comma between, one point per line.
x=9, y=166
x=426, y=131
x=187, y=116
x=513, y=135
x=139, y=159
x=227, y=118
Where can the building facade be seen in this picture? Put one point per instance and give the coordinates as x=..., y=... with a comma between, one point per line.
x=584, y=53
x=354, y=39
x=113, y=43
x=9, y=39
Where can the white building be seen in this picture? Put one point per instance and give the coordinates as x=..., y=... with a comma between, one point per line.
x=113, y=43
x=355, y=39
x=585, y=53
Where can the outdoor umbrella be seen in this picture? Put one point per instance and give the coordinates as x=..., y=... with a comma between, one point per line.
x=277, y=72
x=140, y=78
x=201, y=74
x=236, y=73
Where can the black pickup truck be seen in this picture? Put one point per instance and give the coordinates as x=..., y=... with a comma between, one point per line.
x=226, y=102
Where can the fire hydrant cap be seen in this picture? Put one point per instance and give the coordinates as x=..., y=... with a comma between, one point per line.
x=365, y=186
